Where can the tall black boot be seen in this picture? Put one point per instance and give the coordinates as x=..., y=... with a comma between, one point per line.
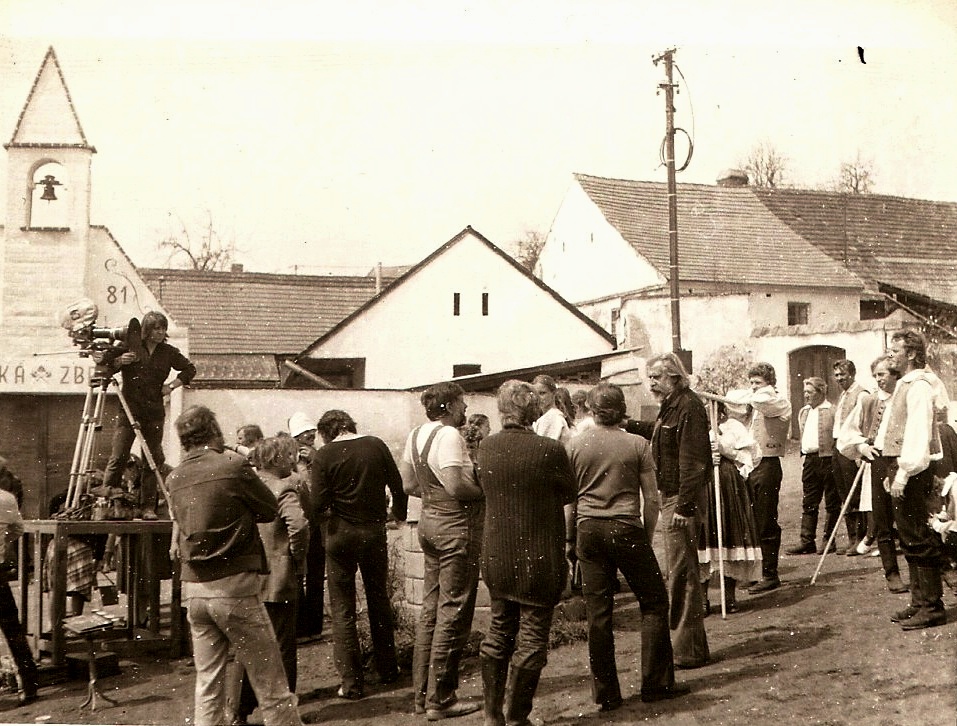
x=915, y=597
x=850, y=521
x=769, y=568
x=808, y=533
x=522, y=684
x=730, y=602
x=931, y=611
x=494, y=675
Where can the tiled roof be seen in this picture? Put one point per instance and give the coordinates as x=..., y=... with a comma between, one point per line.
x=254, y=312
x=910, y=244
x=725, y=234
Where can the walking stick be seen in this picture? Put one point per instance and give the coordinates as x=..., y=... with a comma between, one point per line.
x=847, y=503
x=713, y=412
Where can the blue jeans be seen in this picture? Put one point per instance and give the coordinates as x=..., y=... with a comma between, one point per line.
x=688, y=639
x=604, y=547
x=349, y=548
x=216, y=623
x=451, y=544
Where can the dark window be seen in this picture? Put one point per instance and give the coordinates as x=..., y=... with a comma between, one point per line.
x=465, y=369
x=798, y=313
x=873, y=310
x=456, y=303
x=615, y=316
x=485, y=303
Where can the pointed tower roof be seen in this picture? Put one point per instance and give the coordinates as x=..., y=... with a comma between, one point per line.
x=49, y=119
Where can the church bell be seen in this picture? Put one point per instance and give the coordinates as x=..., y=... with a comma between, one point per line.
x=48, y=182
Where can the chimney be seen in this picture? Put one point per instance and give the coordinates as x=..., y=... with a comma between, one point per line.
x=733, y=178
x=378, y=277
x=236, y=267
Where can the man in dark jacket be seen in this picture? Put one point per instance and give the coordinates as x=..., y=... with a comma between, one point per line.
x=144, y=387
x=216, y=499
x=681, y=450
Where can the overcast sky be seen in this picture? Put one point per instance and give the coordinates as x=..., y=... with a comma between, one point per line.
x=330, y=136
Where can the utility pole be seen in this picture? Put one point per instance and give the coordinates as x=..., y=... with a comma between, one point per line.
x=669, y=88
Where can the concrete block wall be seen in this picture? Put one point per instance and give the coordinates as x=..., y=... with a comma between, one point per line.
x=413, y=562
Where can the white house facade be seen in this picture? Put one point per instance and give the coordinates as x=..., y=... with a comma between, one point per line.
x=466, y=309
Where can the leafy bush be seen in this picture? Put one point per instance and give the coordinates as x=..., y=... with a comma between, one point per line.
x=724, y=369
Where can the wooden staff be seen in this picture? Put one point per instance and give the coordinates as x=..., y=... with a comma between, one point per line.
x=713, y=412
x=847, y=503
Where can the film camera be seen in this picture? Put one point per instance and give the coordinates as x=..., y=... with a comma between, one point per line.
x=102, y=345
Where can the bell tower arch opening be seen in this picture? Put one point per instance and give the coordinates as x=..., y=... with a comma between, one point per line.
x=51, y=196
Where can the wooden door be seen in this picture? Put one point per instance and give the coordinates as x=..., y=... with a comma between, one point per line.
x=803, y=363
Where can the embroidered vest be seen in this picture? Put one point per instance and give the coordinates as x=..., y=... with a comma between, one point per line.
x=897, y=421
x=847, y=402
x=825, y=428
x=770, y=433
x=873, y=408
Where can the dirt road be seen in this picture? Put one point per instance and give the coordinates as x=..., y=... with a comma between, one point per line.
x=822, y=654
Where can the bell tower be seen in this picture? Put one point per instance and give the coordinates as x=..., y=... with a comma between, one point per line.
x=47, y=227
x=49, y=159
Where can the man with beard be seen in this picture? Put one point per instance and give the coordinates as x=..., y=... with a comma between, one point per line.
x=908, y=437
x=681, y=449
x=436, y=466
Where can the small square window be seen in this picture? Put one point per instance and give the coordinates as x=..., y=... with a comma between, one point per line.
x=466, y=369
x=799, y=313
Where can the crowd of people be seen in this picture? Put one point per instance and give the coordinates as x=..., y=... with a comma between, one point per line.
x=570, y=483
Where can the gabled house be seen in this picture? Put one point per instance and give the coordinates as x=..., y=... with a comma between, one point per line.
x=246, y=327
x=746, y=276
x=466, y=309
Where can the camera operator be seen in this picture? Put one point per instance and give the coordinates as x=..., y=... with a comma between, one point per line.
x=144, y=387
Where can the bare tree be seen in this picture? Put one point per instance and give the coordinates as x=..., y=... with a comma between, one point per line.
x=766, y=166
x=207, y=252
x=856, y=176
x=528, y=248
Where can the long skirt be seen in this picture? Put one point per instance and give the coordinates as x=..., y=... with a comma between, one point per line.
x=741, y=546
x=80, y=567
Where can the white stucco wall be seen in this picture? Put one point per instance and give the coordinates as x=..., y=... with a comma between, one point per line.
x=390, y=415
x=44, y=272
x=584, y=257
x=411, y=337
x=827, y=307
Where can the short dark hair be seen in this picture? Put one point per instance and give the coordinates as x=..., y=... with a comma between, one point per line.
x=436, y=399
x=607, y=404
x=197, y=426
x=914, y=343
x=546, y=381
x=334, y=422
x=845, y=366
x=765, y=371
x=250, y=433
